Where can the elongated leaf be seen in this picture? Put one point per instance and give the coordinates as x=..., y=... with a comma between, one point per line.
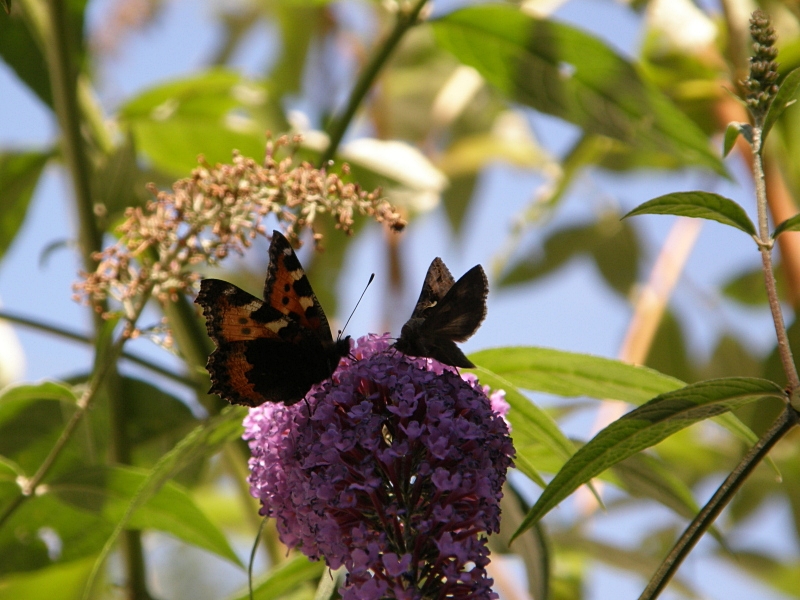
x=19, y=174
x=701, y=205
x=47, y=390
x=644, y=427
x=204, y=440
x=531, y=427
x=108, y=491
x=783, y=99
x=570, y=374
x=286, y=577
x=790, y=224
x=562, y=71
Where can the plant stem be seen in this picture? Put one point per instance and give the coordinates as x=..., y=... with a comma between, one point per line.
x=63, y=81
x=85, y=339
x=705, y=518
x=405, y=20
x=765, y=246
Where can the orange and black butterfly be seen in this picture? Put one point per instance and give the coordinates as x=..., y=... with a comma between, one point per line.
x=447, y=312
x=270, y=350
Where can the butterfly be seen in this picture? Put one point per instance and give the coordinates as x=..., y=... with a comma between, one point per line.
x=447, y=312
x=270, y=350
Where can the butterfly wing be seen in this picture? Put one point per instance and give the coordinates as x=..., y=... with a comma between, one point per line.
x=438, y=282
x=235, y=321
x=272, y=350
x=288, y=290
x=445, y=313
x=459, y=314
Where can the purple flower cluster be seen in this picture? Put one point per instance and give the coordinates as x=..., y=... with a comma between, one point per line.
x=397, y=475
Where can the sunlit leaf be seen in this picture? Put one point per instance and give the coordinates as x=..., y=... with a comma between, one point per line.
x=571, y=374
x=701, y=205
x=644, y=427
x=107, y=491
x=783, y=99
x=562, y=71
x=211, y=114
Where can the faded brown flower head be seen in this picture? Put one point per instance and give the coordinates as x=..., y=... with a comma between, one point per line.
x=216, y=211
x=760, y=87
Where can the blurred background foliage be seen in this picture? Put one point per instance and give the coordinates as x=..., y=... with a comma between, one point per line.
x=455, y=99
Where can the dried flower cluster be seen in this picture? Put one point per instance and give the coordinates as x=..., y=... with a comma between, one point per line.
x=216, y=211
x=397, y=475
x=760, y=87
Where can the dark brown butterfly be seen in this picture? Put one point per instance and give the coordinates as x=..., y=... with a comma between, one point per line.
x=272, y=350
x=447, y=312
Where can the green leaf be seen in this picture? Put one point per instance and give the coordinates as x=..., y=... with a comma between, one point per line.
x=701, y=205
x=44, y=518
x=203, y=441
x=107, y=492
x=748, y=287
x=732, y=133
x=288, y=576
x=644, y=427
x=783, y=99
x=152, y=414
x=562, y=71
x=32, y=417
x=63, y=581
x=570, y=374
x=645, y=476
x=531, y=428
x=19, y=174
x=47, y=390
x=613, y=246
x=6, y=5
x=21, y=52
x=667, y=353
x=790, y=224
x=533, y=547
x=211, y=114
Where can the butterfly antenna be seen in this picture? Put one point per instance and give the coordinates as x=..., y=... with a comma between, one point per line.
x=341, y=331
